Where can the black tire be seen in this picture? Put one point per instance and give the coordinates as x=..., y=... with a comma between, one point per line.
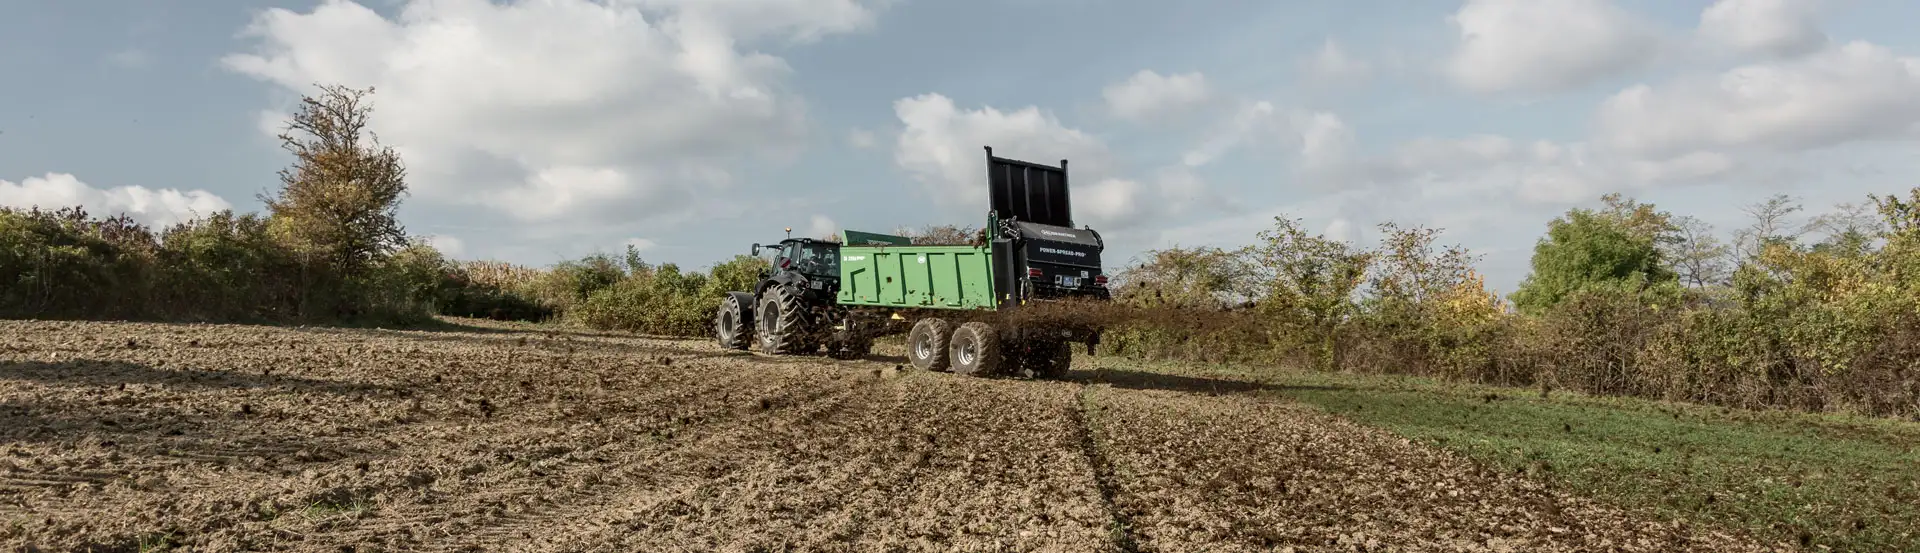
x=1013, y=358
x=845, y=346
x=733, y=325
x=927, y=345
x=784, y=327
x=1051, y=359
x=975, y=350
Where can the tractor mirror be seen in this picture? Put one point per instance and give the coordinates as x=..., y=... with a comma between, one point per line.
x=756, y=249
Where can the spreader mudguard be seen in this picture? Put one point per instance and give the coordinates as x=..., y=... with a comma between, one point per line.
x=1006, y=285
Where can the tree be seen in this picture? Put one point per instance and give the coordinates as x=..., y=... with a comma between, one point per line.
x=933, y=235
x=1410, y=272
x=1900, y=226
x=1771, y=223
x=339, y=200
x=1849, y=229
x=1587, y=248
x=1699, y=257
x=1899, y=217
x=1308, y=280
x=1641, y=219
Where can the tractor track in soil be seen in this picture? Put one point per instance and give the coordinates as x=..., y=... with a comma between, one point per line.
x=115, y=436
x=1122, y=525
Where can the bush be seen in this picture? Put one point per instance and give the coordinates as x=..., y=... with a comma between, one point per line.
x=224, y=267
x=570, y=283
x=65, y=263
x=665, y=300
x=1828, y=326
x=228, y=267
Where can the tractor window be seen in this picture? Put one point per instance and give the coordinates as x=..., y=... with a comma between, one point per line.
x=786, y=255
x=817, y=259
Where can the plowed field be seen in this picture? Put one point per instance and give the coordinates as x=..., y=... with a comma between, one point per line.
x=129, y=437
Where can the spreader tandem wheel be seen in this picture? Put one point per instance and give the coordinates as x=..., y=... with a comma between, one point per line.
x=975, y=350
x=927, y=344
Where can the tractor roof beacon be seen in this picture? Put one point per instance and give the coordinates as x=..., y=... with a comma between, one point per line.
x=944, y=297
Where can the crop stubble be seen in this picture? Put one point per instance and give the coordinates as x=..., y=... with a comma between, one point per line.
x=115, y=435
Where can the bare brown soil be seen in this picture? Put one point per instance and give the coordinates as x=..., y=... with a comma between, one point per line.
x=124, y=437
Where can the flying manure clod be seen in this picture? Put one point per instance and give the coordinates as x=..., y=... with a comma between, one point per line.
x=959, y=305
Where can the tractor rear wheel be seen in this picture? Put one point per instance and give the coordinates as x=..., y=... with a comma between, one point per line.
x=733, y=325
x=784, y=326
x=1050, y=359
x=927, y=345
x=975, y=350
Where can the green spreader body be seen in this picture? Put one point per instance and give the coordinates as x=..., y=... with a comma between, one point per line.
x=916, y=277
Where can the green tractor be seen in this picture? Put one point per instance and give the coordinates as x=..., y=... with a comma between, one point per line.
x=950, y=300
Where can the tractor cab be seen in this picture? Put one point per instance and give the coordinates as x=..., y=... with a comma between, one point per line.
x=812, y=266
x=814, y=258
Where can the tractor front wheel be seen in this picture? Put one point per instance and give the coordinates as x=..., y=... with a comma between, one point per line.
x=733, y=325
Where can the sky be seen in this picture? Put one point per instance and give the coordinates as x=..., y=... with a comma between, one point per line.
x=536, y=131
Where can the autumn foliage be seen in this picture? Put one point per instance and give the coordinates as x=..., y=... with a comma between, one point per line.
x=1622, y=300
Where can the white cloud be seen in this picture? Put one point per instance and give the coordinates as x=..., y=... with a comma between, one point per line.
x=1852, y=92
x=450, y=246
x=1180, y=189
x=1150, y=97
x=1545, y=45
x=1773, y=27
x=1742, y=125
x=1341, y=229
x=1331, y=65
x=1325, y=140
x=862, y=139
x=941, y=146
x=1478, y=171
x=1321, y=138
x=561, y=110
x=822, y=226
x=798, y=20
x=1252, y=120
x=641, y=244
x=158, y=208
x=1110, y=201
